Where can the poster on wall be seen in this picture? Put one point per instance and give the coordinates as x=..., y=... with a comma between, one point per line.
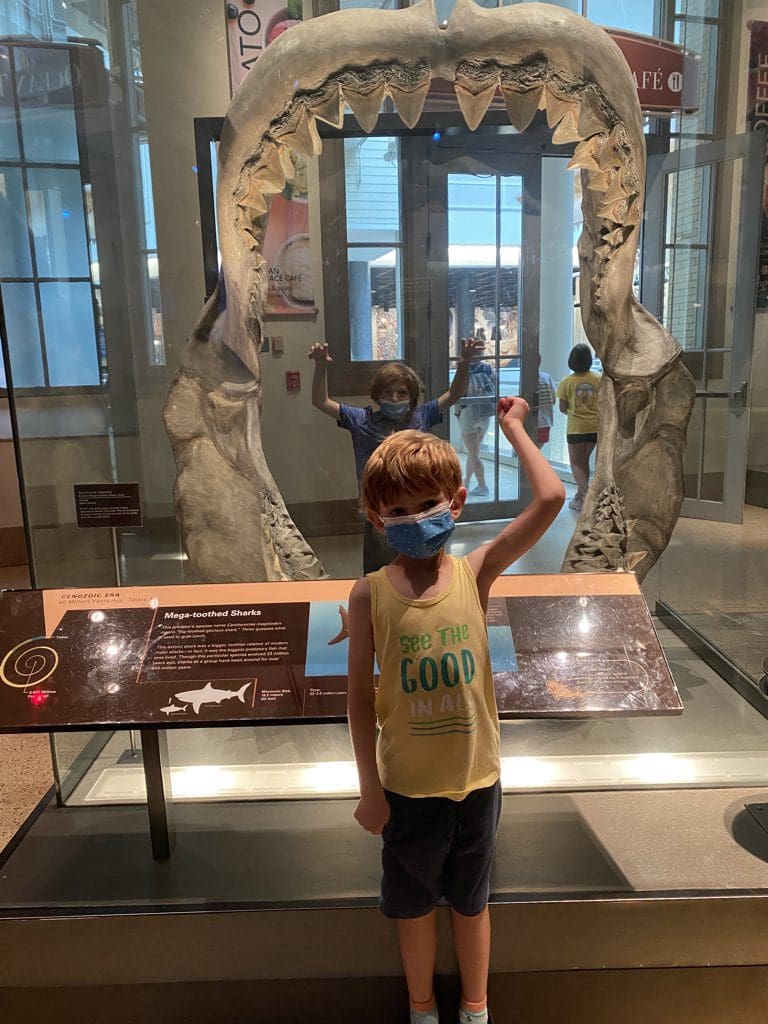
x=251, y=28
x=757, y=117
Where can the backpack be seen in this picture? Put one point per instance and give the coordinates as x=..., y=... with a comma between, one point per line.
x=482, y=384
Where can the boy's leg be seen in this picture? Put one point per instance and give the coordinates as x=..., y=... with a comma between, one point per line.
x=418, y=949
x=472, y=942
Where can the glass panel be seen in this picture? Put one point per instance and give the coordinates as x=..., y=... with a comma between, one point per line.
x=58, y=222
x=634, y=17
x=685, y=295
x=70, y=334
x=15, y=259
x=154, y=312
x=147, y=206
x=375, y=319
x=715, y=448
x=44, y=87
x=23, y=335
x=9, y=136
x=692, y=454
x=372, y=189
x=688, y=203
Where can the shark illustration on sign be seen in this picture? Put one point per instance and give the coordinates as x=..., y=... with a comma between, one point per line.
x=171, y=709
x=210, y=695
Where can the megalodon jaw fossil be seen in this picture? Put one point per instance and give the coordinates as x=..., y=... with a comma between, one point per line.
x=233, y=520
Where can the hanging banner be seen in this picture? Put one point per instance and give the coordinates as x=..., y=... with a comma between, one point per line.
x=757, y=117
x=251, y=26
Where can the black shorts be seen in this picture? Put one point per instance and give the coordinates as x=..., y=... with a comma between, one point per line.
x=435, y=847
x=581, y=438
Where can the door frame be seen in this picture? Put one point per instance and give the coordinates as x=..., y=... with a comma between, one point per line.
x=750, y=148
x=432, y=160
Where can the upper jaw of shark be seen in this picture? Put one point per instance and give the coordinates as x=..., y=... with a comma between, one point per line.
x=540, y=58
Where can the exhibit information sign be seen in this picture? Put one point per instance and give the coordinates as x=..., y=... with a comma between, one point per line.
x=113, y=505
x=563, y=645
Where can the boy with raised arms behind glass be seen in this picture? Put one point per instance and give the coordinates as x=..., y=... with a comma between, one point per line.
x=395, y=389
x=430, y=783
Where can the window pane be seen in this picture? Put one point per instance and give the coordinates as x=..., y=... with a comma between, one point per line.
x=9, y=138
x=632, y=17
x=70, y=334
x=15, y=260
x=154, y=312
x=43, y=82
x=147, y=209
x=371, y=179
x=375, y=303
x=58, y=222
x=23, y=335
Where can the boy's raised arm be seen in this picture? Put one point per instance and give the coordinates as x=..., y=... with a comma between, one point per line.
x=471, y=348
x=490, y=560
x=319, y=355
x=372, y=810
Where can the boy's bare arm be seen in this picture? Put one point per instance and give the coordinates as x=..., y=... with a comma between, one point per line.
x=319, y=355
x=372, y=810
x=471, y=348
x=490, y=560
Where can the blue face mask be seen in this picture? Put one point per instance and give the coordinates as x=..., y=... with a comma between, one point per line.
x=422, y=535
x=394, y=410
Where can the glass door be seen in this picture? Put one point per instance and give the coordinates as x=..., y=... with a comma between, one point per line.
x=700, y=265
x=482, y=245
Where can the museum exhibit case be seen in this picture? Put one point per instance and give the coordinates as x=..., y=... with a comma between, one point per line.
x=412, y=202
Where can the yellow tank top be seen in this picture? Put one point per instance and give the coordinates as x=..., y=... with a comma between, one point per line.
x=435, y=702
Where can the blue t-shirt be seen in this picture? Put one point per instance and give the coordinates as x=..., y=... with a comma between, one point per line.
x=369, y=428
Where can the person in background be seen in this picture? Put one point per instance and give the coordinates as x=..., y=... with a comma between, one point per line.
x=395, y=389
x=546, y=403
x=474, y=414
x=577, y=394
x=429, y=783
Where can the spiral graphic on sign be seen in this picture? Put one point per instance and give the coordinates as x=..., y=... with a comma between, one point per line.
x=27, y=665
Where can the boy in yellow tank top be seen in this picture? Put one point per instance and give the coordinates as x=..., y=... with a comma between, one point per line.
x=430, y=784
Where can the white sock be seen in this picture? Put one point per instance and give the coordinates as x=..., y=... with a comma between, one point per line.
x=425, y=1016
x=470, y=1017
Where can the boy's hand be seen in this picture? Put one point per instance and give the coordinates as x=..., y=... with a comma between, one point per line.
x=319, y=353
x=471, y=348
x=372, y=812
x=512, y=410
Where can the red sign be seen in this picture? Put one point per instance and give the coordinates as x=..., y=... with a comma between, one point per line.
x=293, y=380
x=666, y=76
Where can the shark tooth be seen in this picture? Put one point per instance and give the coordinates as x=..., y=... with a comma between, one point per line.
x=634, y=558
x=252, y=240
x=366, y=105
x=251, y=196
x=557, y=108
x=304, y=138
x=330, y=110
x=270, y=171
x=616, y=190
x=474, y=105
x=584, y=157
x=615, y=237
x=599, y=181
x=521, y=106
x=409, y=103
x=590, y=122
x=566, y=131
x=286, y=163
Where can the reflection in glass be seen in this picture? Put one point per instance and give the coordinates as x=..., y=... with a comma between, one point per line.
x=15, y=259
x=44, y=87
x=375, y=303
x=9, y=136
x=70, y=333
x=57, y=221
x=23, y=329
